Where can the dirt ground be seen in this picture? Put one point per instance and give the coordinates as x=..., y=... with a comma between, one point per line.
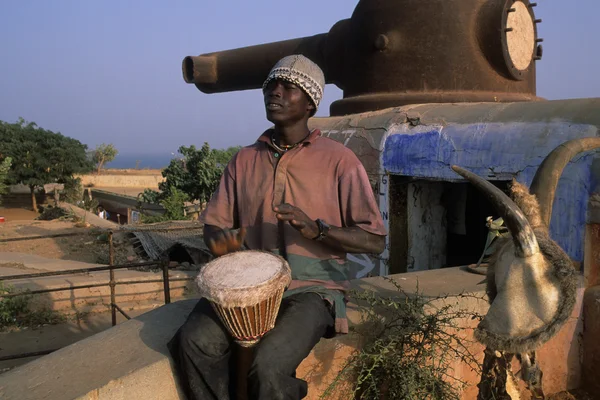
x=17, y=214
x=89, y=246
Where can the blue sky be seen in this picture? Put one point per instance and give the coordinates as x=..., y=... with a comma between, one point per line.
x=110, y=71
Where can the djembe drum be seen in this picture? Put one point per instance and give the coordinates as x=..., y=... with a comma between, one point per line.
x=245, y=289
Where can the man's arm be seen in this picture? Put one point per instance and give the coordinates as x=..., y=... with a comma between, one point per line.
x=348, y=239
x=354, y=240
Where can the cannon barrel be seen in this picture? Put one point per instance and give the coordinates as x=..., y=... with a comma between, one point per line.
x=247, y=67
x=397, y=52
x=244, y=68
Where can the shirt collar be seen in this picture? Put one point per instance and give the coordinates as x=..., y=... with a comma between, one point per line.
x=266, y=136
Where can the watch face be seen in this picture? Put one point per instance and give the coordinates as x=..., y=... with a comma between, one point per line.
x=323, y=229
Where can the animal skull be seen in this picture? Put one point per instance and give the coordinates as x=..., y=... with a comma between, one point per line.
x=531, y=282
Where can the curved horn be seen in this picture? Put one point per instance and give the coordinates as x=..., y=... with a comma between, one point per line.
x=547, y=175
x=523, y=237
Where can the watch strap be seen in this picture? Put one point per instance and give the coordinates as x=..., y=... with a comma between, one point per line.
x=323, y=230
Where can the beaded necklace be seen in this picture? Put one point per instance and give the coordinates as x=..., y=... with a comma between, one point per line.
x=284, y=148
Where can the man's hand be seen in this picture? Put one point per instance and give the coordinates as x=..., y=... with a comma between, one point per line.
x=298, y=219
x=226, y=242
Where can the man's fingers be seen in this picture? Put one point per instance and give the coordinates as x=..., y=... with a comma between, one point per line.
x=284, y=208
x=285, y=217
x=298, y=224
x=241, y=235
x=211, y=245
x=217, y=248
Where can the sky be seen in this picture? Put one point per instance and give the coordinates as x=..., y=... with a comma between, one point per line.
x=110, y=71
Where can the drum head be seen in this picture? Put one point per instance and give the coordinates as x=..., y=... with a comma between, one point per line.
x=243, y=278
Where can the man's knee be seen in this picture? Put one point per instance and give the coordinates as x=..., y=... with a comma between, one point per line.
x=262, y=372
x=202, y=335
x=267, y=381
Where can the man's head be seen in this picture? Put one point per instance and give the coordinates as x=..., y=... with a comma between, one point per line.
x=293, y=90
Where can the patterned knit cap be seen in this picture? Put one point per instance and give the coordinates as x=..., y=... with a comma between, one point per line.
x=300, y=71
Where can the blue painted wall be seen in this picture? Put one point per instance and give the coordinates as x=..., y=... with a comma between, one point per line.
x=501, y=151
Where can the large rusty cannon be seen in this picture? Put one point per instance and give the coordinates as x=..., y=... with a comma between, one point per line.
x=398, y=52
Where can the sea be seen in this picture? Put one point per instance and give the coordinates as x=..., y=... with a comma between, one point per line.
x=141, y=161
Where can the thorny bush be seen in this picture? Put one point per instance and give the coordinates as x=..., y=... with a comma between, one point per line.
x=407, y=345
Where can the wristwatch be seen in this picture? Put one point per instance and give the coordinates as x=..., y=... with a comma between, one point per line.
x=323, y=229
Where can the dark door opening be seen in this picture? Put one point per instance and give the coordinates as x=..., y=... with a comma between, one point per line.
x=455, y=213
x=467, y=212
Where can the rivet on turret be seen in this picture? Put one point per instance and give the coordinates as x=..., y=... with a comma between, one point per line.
x=539, y=51
x=381, y=42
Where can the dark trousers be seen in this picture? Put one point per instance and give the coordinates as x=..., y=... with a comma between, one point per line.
x=202, y=350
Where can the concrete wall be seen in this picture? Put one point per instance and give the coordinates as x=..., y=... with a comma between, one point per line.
x=591, y=339
x=123, y=180
x=130, y=361
x=426, y=226
x=499, y=141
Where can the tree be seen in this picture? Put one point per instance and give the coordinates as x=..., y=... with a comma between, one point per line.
x=41, y=156
x=4, y=168
x=174, y=205
x=102, y=154
x=223, y=156
x=197, y=174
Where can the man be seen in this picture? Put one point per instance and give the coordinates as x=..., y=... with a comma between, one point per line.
x=302, y=196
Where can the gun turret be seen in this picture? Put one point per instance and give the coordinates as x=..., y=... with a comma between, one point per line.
x=396, y=52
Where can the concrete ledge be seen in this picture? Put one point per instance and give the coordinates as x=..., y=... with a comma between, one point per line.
x=130, y=361
x=591, y=339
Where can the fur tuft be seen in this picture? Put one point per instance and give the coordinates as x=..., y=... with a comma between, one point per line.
x=565, y=273
x=527, y=203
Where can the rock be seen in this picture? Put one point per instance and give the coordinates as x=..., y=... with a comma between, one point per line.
x=173, y=264
x=131, y=258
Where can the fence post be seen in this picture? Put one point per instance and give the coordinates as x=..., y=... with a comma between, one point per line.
x=111, y=283
x=166, y=286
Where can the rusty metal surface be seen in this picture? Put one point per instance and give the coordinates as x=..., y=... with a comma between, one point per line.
x=392, y=53
x=55, y=236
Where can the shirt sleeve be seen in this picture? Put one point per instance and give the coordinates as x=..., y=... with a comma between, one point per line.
x=357, y=200
x=221, y=210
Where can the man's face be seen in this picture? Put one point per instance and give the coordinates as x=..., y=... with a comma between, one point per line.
x=286, y=103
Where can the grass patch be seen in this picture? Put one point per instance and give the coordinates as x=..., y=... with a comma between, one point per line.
x=15, y=311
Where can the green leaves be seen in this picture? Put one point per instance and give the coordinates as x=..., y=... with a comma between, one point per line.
x=192, y=177
x=4, y=169
x=103, y=154
x=196, y=174
x=40, y=156
x=409, y=343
